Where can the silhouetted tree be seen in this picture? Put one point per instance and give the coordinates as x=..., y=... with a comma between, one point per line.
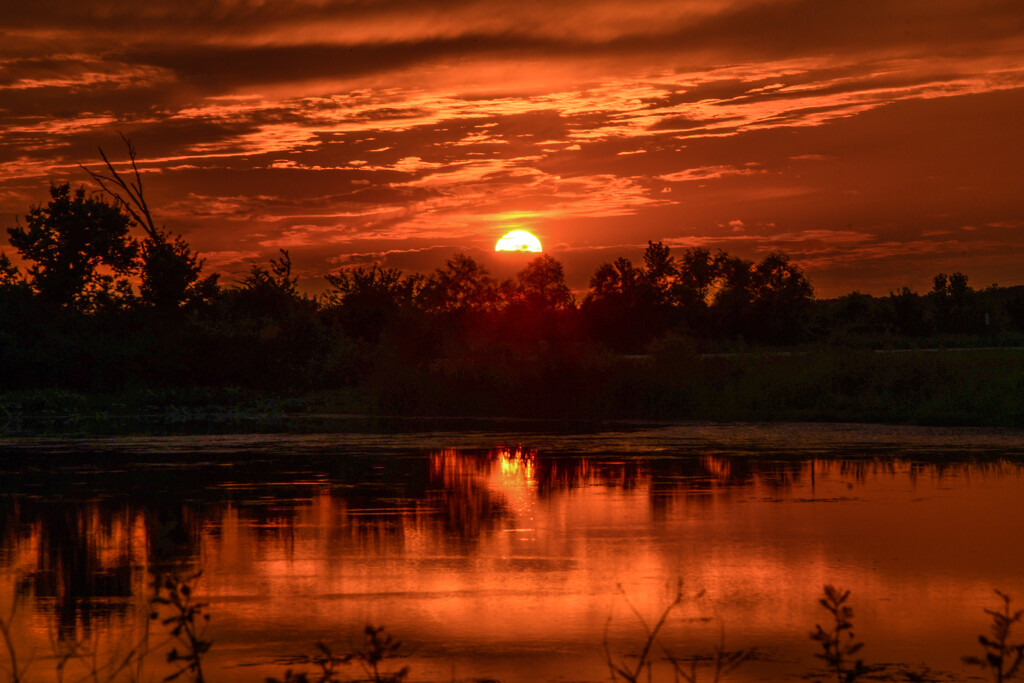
x=618, y=279
x=734, y=298
x=1015, y=311
x=17, y=317
x=69, y=241
x=537, y=307
x=367, y=301
x=278, y=278
x=713, y=295
x=267, y=333
x=852, y=316
x=541, y=286
x=906, y=313
x=170, y=274
x=768, y=302
x=271, y=292
x=696, y=276
x=462, y=286
x=660, y=272
x=10, y=276
x=955, y=305
x=619, y=307
x=170, y=269
x=782, y=299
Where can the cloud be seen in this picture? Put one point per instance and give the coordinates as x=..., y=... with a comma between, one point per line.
x=709, y=173
x=328, y=125
x=828, y=236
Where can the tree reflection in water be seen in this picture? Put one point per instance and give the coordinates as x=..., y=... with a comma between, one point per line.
x=365, y=525
x=83, y=558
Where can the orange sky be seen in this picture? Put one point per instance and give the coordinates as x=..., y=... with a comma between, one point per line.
x=877, y=142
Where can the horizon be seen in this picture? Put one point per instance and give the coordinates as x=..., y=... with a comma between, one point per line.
x=876, y=145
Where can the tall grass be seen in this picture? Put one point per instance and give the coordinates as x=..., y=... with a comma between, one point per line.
x=975, y=387
x=980, y=387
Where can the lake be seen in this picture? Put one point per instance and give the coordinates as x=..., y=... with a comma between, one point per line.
x=499, y=553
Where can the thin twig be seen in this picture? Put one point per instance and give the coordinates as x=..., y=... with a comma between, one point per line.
x=5, y=632
x=135, y=203
x=652, y=635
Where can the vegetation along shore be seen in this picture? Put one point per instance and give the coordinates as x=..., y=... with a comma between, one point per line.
x=110, y=313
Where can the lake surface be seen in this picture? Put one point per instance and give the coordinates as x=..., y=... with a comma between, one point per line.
x=513, y=555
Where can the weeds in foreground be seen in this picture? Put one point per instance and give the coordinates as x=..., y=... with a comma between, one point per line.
x=725, y=663
x=377, y=646
x=9, y=644
x=838, y=643
x=174, y=592
x=622, y=668
x=1001, y=656
x=327, y=662
x=685, y=669
x=97, y=671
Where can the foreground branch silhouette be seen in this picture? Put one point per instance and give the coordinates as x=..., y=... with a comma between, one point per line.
x=1002, y=657
x=838, y=642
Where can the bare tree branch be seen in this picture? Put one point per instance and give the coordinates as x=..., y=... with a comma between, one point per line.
x=127, y=193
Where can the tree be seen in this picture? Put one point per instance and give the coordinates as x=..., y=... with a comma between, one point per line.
x=855, y=314
x=906, y=313
x=267, y=299
x=696, y=275
x=660, y=272
x=541, y=286
x=622, y=306
x=734, y=298
x=539, y=306
x=15, y=293
x=275, y=282
x=266, y=333
x=657, y=297
x=768, y=301
x=9, y=274
x=955, y=305
x=170, y=269
x=782, y=299
x=79, y=247
x=369, y=300
x=613, y=280
x=461, y=286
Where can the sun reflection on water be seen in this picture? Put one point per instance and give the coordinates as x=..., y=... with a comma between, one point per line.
x=441, y=537
x=517, y=465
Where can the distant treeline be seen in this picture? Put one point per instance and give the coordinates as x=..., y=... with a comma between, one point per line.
x=101, y=309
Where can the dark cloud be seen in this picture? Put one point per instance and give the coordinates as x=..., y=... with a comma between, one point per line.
x=860, y=137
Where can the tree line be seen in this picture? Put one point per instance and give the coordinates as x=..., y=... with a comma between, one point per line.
x=109, y=299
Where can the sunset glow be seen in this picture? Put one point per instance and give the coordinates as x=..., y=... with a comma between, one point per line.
x=877, y=143
x=518, y=240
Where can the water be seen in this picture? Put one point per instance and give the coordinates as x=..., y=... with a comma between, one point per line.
x=513, y=555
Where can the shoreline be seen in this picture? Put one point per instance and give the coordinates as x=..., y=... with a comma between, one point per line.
x=984, y=388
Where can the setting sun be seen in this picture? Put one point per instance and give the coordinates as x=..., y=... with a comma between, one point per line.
x=518, y=240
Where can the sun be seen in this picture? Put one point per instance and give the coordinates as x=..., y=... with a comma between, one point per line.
x=518, y=240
